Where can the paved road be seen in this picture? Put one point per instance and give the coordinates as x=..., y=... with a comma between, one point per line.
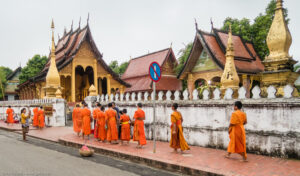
x=41, y=158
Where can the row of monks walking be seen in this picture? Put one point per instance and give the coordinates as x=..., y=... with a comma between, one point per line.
x=107, y=123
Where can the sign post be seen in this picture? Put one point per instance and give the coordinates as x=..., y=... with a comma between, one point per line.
x=155, y=75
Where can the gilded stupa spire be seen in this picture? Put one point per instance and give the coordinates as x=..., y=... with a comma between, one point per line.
x=52, y=78
x=230, y=78
x=279, y=38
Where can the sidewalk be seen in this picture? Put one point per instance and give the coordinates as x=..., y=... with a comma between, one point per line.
x=197, y=161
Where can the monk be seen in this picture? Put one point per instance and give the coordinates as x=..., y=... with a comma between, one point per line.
x=41, y=118
x=237, y=133
x=177, y=139
x=95, y=112
x=77, y=119
x=10, y=115
x=111, y=121
x=139, y=131
x=35, y=122
x=125, y=131
x=86, y=122
x=101, y=124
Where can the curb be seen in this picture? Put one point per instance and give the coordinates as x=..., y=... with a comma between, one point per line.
x=147, y=161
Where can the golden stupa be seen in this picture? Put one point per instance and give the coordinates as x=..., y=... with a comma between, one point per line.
x=230, y=78
x=52, y=78
x=279, y=64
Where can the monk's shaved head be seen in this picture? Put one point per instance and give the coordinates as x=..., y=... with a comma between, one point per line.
x=238, y=104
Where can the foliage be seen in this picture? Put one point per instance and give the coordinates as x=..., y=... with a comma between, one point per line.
x=33, y=67
x=210, y=88
x=256, y=32
x=184, y=54
x=4, y=72
x=114, y=65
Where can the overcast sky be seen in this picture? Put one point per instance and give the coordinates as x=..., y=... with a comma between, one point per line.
x=122, y=28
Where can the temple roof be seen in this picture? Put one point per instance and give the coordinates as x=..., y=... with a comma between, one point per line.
x=11, y=76
x=137, y=72
x=246, y=59
x=67, y=47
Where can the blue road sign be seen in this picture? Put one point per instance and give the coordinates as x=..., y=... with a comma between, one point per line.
x=155, y=71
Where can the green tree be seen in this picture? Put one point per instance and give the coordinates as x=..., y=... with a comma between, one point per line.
x=123, y=67
x=33, y=67
x=114, y=65
x=256, y=32
x=184, y=55
x=4, y=72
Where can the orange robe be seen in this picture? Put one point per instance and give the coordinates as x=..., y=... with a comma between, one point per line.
x=125, y=129
x=177, y=139
x=10, y=115
x=139, y=131
x=77, y=120
x=41, y=118
x=86, y=122
x=101, y=125
x=112, y=131
x=237, y=133
x=35, y=122
x=95, y=112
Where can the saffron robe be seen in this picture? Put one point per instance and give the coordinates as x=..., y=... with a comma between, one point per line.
x=112, y=131
x=237, y=135
x=35, y=121
x=95, y=112
x=177, y=138
x=101, y=125
x=138, y=130
x=86, y=121
x=77, y=120
x=41, y=118
x=125, y=129
x=10, y=115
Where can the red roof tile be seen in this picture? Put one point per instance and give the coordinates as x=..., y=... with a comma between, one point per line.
x=144, y=84
x=140, y=66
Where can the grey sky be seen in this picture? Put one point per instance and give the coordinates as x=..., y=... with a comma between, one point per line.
x=121, y=28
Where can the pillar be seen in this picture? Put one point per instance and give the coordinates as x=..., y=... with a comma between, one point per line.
x=190, y=85
x=73, y=83
x=246, y=84
x=100, y=86
x=95, y=76
x=108, y=77
x=122, y=89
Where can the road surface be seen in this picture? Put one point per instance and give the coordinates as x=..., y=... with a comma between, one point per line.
x=42, y=158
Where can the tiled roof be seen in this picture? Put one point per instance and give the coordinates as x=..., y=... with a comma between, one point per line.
x=139, y=66
x=246, y=59
x=144, y=83
x=66, y=49
x=137, y=72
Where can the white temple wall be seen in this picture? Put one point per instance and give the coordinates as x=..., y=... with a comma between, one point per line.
x=59, y=105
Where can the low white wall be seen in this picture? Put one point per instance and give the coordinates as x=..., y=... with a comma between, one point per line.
x=273, y=124
x=59, y=105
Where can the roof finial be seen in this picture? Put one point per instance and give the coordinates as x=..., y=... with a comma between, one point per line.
x=88, y=18
x=279, y=4
x=230, y=49
x=58, y=36
x=171, y=44
x=72, y=26
x=53, y=45
x=79, y=22
x=65, y=31
x=196, y=24
x=212, y=23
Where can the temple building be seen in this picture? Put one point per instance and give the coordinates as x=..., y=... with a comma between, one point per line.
x=206, y=62
x=80, y=65
x=11, y=88
x=137, y=72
